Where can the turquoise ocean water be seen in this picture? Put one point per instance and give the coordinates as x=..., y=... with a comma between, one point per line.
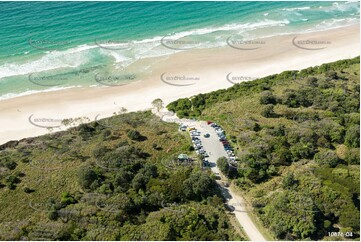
x=52, y=45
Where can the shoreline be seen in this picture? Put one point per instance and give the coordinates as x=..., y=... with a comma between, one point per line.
x=207, y=69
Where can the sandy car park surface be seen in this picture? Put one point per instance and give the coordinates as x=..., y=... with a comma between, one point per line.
x=214, y=149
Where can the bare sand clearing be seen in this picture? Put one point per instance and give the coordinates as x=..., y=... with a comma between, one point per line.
x=208, y=68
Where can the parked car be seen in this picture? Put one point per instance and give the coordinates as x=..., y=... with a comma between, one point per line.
x=206, y=135
x=195, y=133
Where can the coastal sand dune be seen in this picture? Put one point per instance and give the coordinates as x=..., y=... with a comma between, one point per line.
x=205, y=70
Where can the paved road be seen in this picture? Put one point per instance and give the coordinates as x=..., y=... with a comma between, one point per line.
x=215, y=150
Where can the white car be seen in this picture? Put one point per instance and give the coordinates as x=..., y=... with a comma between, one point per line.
x=197, y=143
x=233, y=159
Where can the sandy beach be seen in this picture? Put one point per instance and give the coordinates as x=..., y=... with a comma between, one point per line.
x=23, y=117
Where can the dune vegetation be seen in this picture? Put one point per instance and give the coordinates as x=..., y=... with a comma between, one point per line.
x=297, y=140
x=113, y=179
